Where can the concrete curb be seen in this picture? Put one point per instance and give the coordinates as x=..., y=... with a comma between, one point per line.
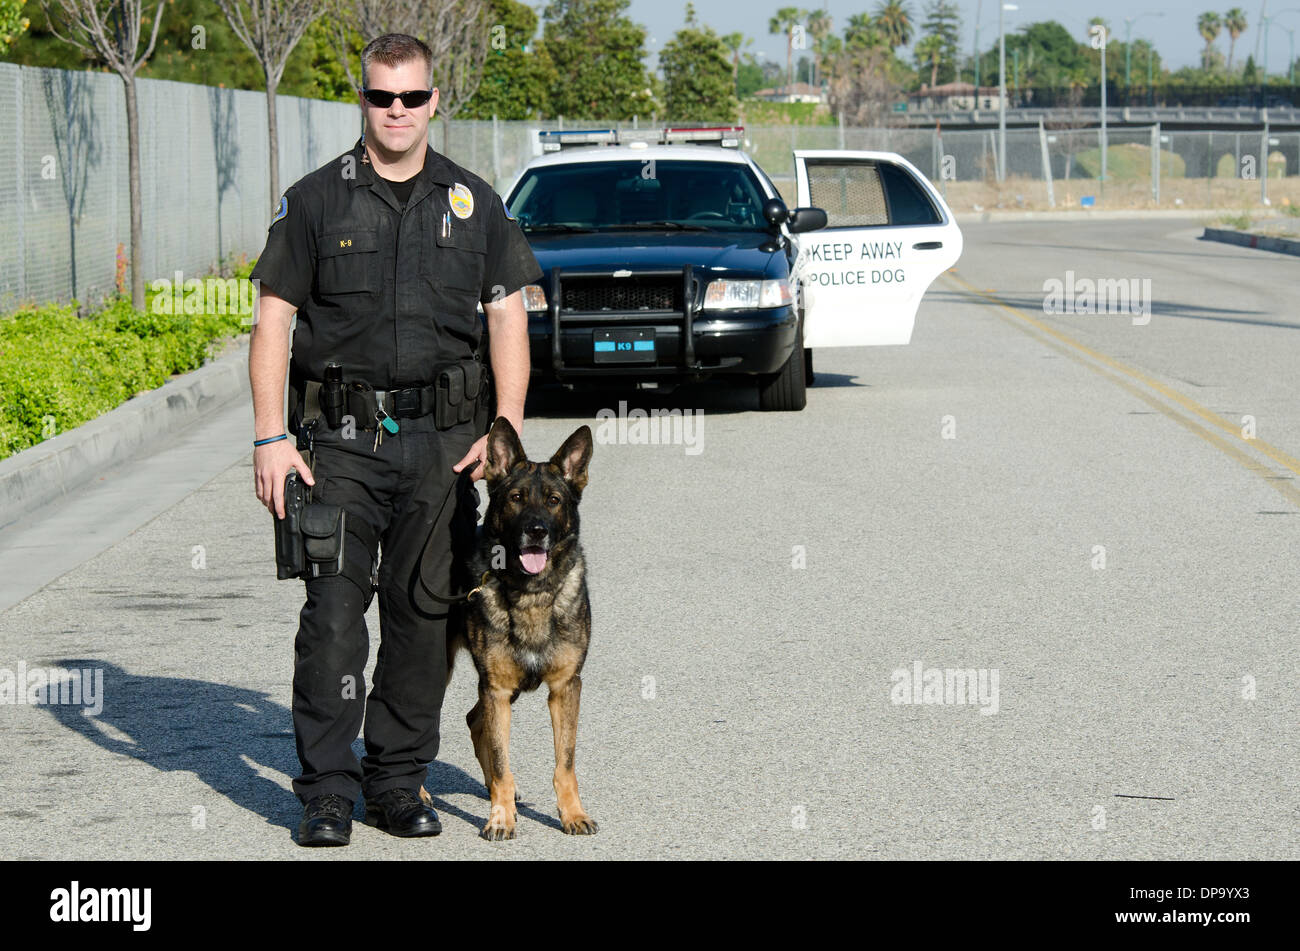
x=60, y=465
x=1247, y=240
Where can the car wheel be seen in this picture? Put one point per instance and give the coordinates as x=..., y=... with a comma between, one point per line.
x=784, y=390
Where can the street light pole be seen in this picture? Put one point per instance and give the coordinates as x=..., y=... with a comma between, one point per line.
x=1263, y=82
x=1002, y=92
x=1291, y=34
x=1104, y=39
x=1128, y=50
x=1128, y=33
x=1151, y=86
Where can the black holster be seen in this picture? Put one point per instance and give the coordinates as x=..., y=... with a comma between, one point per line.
x=290, y=555
x=309, y=539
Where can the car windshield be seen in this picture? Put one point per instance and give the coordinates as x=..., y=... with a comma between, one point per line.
x=634, y=194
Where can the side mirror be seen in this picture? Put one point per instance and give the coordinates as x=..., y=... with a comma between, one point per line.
x=806, y=219
x=775, y=212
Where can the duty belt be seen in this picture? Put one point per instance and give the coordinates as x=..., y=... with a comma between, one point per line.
x=407, y=403
x=453, y=397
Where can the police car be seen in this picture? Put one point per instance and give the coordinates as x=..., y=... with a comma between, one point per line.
x=669, y=255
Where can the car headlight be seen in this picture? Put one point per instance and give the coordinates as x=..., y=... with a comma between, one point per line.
x=534, y=298
x=747, y=295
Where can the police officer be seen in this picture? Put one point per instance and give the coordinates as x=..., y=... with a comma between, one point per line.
x=383, y=253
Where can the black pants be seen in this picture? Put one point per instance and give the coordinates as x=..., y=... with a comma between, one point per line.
x=398, y=490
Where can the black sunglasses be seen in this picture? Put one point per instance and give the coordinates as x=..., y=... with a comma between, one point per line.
x=410, y=100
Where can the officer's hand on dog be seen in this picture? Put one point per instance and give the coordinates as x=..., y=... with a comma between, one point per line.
x=271, y=463
x=478, y=455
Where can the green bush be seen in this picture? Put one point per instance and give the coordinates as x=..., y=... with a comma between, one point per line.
x=58, y=370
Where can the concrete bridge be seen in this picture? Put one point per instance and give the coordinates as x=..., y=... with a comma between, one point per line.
x=1177, y=118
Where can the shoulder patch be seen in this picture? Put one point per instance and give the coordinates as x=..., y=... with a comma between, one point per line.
x=282, y=210
x=509, y=217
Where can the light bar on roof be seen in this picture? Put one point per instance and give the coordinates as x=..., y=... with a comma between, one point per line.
x=640, y=138
x=568, y=138
x=728, y=136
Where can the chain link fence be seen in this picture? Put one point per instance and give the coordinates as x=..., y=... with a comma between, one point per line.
x=1036, y=159
x=64, y=196
x=203, y=171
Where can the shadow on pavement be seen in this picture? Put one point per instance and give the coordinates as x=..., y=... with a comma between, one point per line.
x=215, y=731
x=713, y=397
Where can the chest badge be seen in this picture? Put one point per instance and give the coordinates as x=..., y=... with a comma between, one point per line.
x=462, y=202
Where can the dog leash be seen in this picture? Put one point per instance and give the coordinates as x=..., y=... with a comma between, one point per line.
x=455, y=599
x=462, y=597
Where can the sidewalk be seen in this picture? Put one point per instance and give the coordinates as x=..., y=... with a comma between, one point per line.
x=64, y=463
x=69, y=499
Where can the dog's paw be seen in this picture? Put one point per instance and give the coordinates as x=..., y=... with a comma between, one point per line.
x=498, y=831
x=580, y=824
x=500, y=826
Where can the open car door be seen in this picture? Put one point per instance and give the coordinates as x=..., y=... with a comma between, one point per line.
x=888, y=235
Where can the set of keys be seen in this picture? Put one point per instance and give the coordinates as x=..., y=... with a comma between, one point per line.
x=385, y=422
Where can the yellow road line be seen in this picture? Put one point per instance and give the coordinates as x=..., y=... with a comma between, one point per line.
x=1291, y=493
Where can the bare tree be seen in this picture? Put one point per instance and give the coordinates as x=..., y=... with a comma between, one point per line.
x=109, y=32
x=860, y=87
x=347, y=19
x=458, y=66
x=457, y=32
x=271, y=29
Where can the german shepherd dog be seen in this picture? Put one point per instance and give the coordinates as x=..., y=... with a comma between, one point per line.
x=530, y=619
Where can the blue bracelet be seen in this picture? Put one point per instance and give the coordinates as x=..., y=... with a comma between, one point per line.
x=263, y=442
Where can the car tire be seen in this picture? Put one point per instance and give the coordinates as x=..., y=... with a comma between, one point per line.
x=784, y=391
x=809, y=378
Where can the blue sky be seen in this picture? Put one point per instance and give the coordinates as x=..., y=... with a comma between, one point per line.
x=1174, y=33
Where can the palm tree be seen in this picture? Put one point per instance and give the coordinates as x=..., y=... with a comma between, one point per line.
x=929, y=52
x=1234, y=21
x=862, y=32
x=786, y=19
x=894, y=20
x=1208, y=25
x=819, y=24
x=736, y=42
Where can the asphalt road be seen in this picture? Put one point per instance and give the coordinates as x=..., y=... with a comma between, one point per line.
x=1097, y=535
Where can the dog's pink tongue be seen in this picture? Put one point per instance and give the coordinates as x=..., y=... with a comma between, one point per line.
x=533, y=559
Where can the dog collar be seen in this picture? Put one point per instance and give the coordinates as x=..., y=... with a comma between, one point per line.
x=482, y=582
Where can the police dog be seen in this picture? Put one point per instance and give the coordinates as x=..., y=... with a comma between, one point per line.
x=529, y=621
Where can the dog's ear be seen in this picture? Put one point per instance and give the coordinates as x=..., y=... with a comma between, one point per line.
x=504, y=451
x=572, y=458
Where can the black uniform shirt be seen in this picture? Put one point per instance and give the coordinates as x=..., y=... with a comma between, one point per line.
x=387, y=291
